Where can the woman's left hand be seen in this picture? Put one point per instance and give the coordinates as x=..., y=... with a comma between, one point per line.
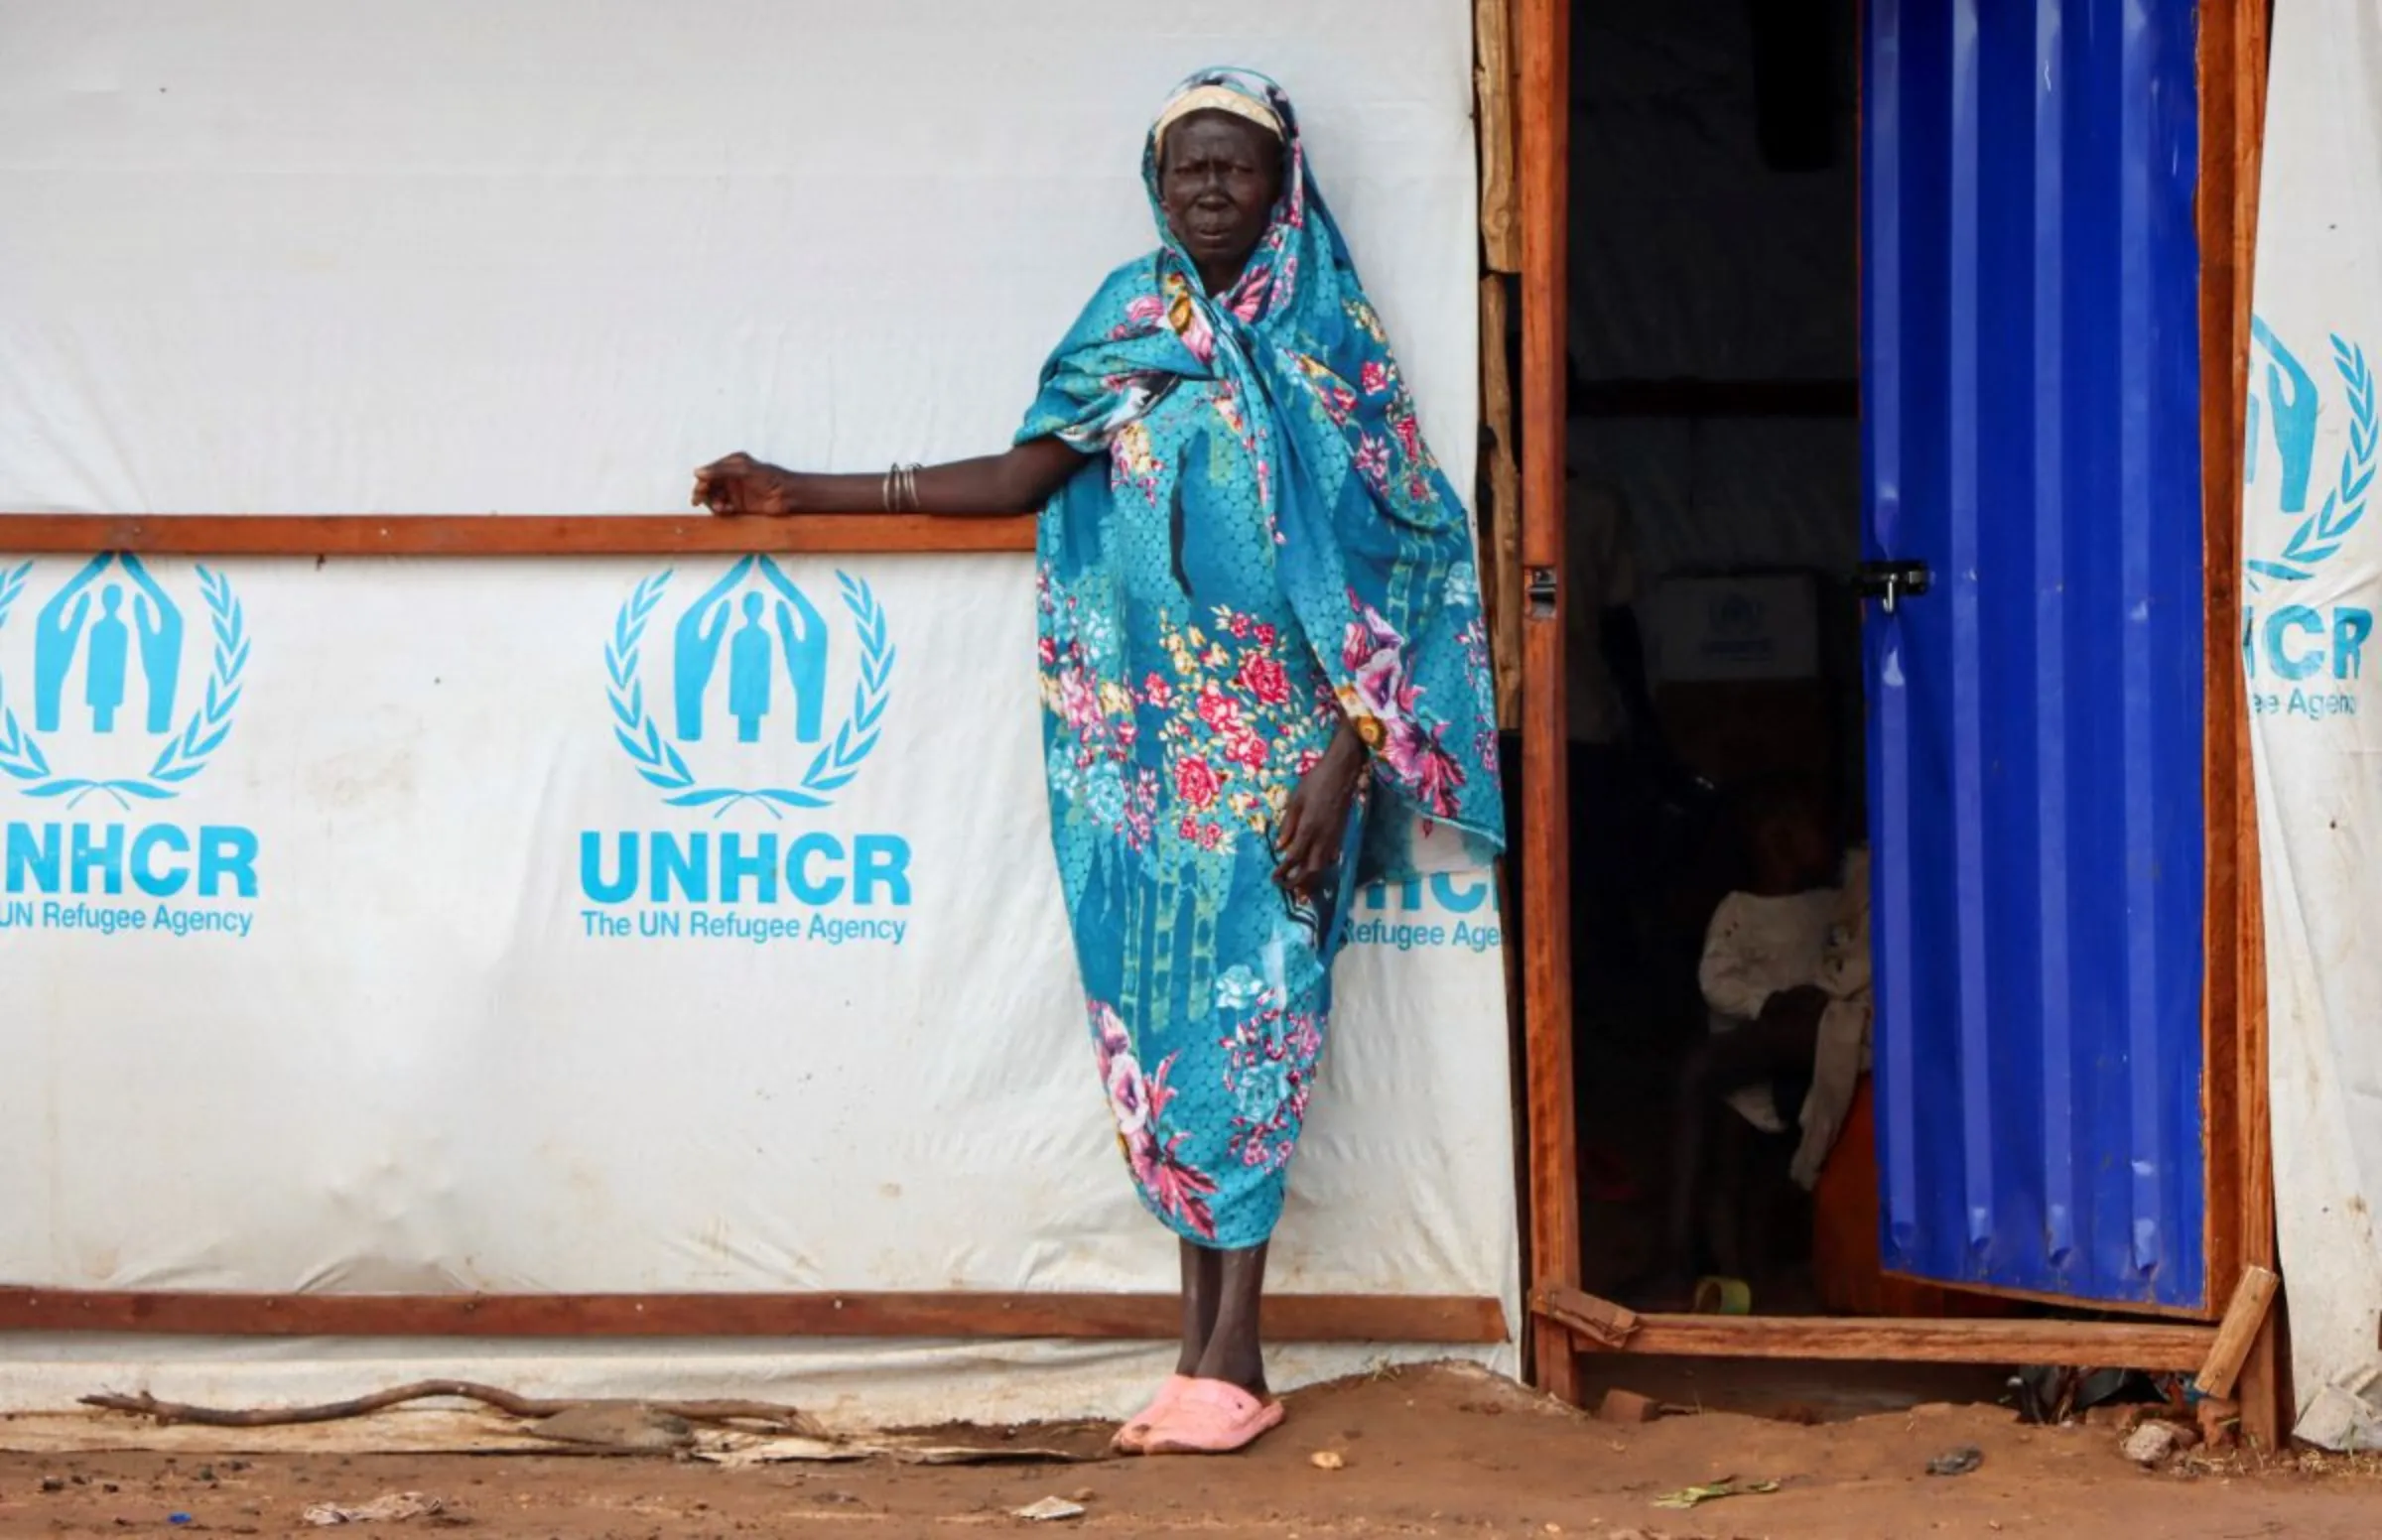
x=1315, y=819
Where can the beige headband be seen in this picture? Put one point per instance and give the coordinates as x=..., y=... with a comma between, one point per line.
x=1216, y=98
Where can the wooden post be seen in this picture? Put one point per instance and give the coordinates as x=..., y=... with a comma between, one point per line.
x=1501, y=253
x=1493, y=50
x=2269, y=1407
x=1503, y=514
x=1542, y=37
x=2241, y=1178
x=2232, y=1000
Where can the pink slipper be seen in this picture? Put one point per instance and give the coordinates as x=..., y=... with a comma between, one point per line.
x=1133, y=1437
x=1210, y=1417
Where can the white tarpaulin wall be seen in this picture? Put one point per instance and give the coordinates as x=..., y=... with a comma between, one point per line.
x=322, y=963
x=2316, y=584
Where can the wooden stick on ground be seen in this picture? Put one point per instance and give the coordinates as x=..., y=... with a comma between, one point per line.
x=2237, y=1332
x=785, y=1418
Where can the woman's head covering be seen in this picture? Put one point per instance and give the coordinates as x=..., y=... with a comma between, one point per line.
x=1373, y=548
x=1214, y=99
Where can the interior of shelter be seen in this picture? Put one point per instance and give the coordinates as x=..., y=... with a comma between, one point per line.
x=1713, y=698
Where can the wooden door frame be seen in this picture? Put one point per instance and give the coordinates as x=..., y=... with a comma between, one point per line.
x=2231, y=69
x=1542, y=40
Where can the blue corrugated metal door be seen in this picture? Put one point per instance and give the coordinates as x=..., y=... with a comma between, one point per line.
x=2030, y=294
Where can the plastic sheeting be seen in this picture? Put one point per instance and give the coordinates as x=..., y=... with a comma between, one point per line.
x=2314, y=583
x=2031, y=291
x=433, y=256
x=421, y=925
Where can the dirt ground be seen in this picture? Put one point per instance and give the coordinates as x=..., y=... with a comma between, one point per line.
x=1422, y=1452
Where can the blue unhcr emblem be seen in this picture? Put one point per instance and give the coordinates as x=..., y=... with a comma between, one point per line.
x=760, y=630
x=2284, y=407
x=107, y=660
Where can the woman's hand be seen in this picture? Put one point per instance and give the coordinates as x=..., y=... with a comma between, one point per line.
x=1315, y=819
x=740, y=485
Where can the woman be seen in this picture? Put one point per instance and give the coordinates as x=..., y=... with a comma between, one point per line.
x=1265, y=681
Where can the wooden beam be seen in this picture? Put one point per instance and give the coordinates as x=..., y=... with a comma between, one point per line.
x=2096, y=1344
x=2230, y=819
x=1451, y=1319
x=1492, y=87
x=2250, y=18
x=1501, y=510
x=2083, y=1343
x=491, y=535
x=2238, y=1334
x=1543, y=38
x=2270, y=1408
x=2233, y=41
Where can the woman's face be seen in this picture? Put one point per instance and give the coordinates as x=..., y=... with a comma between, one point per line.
x=1218, y=179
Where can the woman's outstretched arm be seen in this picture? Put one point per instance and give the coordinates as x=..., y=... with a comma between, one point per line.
x=1020, y=480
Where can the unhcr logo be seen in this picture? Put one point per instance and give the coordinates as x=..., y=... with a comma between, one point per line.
x=1419, y=915
x=775, y=672
x=116, y=696
x=2303, y=656
x=1733, y=630
x=746, y=696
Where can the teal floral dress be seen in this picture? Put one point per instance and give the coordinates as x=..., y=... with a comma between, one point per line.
x=1263, y=550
